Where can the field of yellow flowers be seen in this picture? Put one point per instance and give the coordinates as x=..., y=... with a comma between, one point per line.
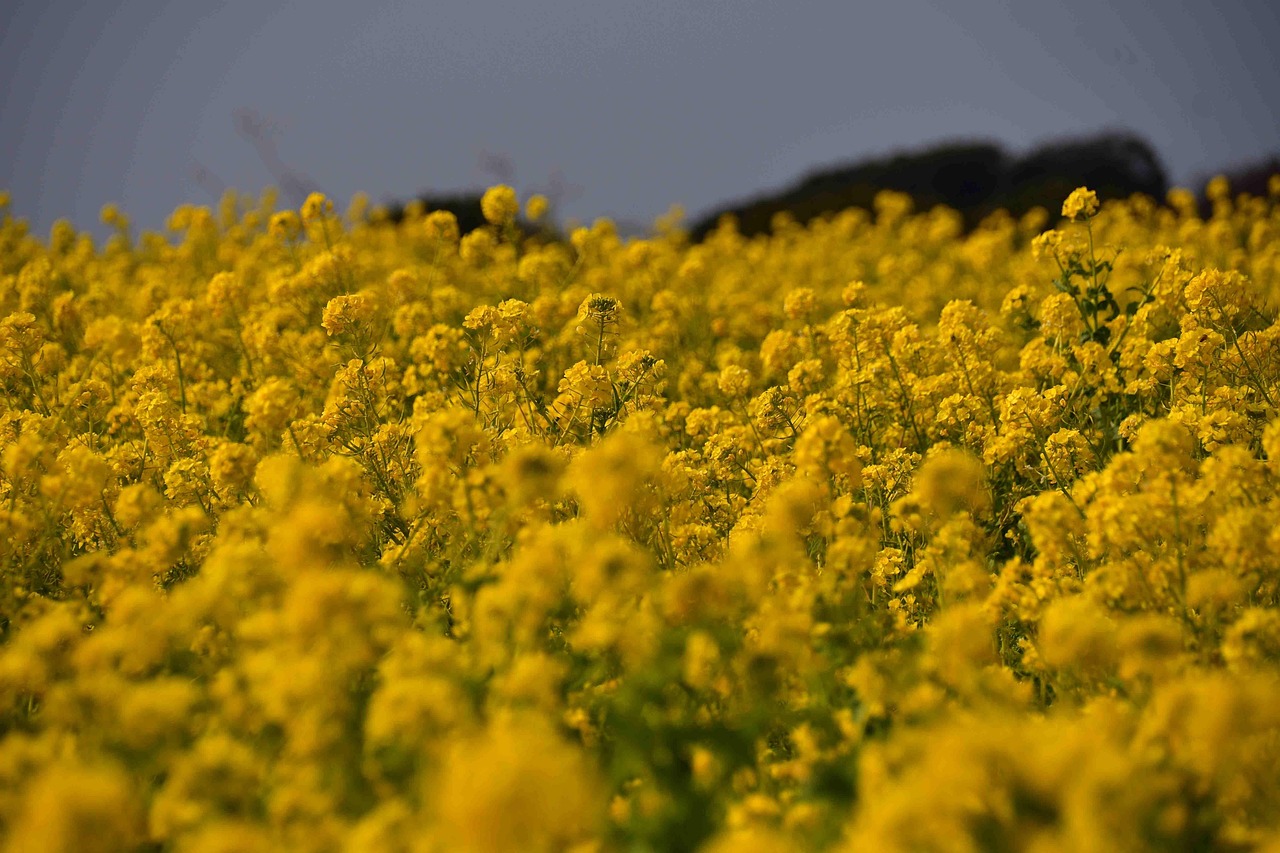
x=323, y=533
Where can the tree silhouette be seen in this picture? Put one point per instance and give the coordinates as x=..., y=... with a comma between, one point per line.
x=974, y=177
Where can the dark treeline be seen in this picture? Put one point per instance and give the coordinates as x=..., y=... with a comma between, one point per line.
x=975, y=178
x=465, y=206
x=1250, y=178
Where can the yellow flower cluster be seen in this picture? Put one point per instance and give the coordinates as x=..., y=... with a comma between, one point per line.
x=321, y=533
x=1083, y=202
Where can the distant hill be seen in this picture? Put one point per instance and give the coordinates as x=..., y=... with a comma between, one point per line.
x=1251, y=178
x=465, y=206
x=975, y=178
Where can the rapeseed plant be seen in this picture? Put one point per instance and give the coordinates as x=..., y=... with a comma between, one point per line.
x=323, y=533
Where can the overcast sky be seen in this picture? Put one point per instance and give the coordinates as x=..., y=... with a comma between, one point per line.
x=638, y=105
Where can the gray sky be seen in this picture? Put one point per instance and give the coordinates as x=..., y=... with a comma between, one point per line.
x=639, y=105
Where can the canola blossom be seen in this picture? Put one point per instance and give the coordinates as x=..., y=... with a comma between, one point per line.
x=320, y=532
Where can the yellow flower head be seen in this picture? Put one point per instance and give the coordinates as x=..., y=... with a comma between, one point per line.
x=1082, y=202
x=284, y=225
x=442, y=226
x=315, y=207
x=500, y=205
x=536, y=207
x=346, y=313
x=112, y=216
x=517, y=785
